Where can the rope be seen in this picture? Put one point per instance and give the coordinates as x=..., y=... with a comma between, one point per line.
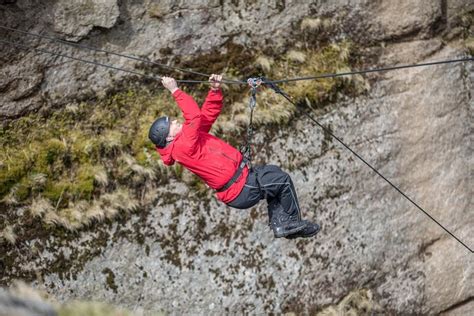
x=246, y=150
x=97, y=63
x=273, y=86
x=49, y=38
x=356, y=72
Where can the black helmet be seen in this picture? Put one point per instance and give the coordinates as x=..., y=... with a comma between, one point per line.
x=159, y=130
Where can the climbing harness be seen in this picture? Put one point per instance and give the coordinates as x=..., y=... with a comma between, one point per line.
x=254, y=85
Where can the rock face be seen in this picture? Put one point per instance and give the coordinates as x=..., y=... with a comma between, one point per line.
x=195, y=256
x=16, y=304
x=209, y=259
x=76, y=19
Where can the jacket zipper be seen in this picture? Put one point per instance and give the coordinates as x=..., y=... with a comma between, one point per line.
x=223, y=154
x=229, y=157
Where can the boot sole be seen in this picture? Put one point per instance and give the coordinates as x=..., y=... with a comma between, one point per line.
x=288, y=232
x=294, y=236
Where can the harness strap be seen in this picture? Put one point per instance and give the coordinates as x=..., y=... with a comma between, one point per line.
x=236, y=175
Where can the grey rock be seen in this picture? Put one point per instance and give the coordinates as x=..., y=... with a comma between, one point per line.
x=76, y=19
x=15, y=305
x=21, y=85
x=460, y=310
x=202, y=258
x=455, y=9
x=396, y=19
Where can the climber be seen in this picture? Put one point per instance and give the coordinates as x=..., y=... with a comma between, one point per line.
x=221, y=166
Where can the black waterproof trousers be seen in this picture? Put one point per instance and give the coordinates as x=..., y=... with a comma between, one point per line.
x=271, y=183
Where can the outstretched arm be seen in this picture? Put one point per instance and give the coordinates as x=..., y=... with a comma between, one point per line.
x=212, y=106
x=189, y=108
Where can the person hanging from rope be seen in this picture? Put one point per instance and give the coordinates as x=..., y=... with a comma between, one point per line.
x=224, y=168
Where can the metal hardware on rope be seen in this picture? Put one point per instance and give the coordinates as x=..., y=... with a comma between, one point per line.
x=246, y=150
x=254, y=83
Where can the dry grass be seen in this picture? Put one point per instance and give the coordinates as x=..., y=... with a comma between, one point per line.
x=356, y=303
x=39, y=207
x=315, y=24
x=311, y=24
x=139, y=170
x=469, y=42
x=296, y=56
x=11, y=197
x=100, y=176
x=83, y=213
x=264, y=62
x=52, y=218
x=333, y=58
x=155, y=11
x=8, y=234
x=120, y=200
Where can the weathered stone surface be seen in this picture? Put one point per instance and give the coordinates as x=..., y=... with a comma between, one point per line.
x=463, y=309
x=455, y=9
x=77, y=18
x=16, y=304
x=20, y=83
x=410, y=52
x=395, y=19
x=191, y=256
x=449, y=275
x=204, y=258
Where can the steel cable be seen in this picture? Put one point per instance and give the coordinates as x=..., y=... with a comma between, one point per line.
x=279, y=91
x=96, y=63
x=50, y=38
x=357, y=72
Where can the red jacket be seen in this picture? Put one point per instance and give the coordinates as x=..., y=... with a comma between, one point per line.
x=207, y=156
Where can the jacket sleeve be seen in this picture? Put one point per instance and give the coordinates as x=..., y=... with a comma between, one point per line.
x=192, y=117
x=211, y=109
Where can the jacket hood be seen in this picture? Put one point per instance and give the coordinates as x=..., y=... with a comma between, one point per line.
x=165, y=154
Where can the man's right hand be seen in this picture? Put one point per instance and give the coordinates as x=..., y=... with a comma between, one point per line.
x=169, y=83
x=215, y=81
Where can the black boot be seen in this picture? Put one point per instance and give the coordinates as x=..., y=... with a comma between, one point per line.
x=282, y=223
x=310, y=230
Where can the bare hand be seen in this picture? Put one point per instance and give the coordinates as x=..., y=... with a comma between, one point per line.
x=169, y=83
x=215, y=81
